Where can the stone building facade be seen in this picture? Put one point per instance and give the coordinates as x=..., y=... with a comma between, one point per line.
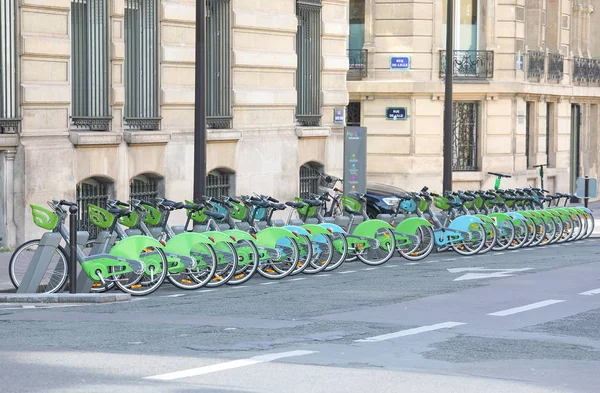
x=526, y=91
x=98, y=99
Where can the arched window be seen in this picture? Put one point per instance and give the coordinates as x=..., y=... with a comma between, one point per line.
x=309, y=179
x=146, y=186
x=97, y=191
x=220, y=182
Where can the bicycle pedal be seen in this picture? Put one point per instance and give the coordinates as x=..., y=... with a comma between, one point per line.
x=136, y=286
x=239, y=276
x=186, y=281
x=217, y=278
x=96, y=285
x=269, y=270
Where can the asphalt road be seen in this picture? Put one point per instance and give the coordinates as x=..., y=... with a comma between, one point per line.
x=522, y=321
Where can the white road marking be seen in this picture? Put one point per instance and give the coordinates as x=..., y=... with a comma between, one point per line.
x=323, y=275
x=485, y=272
x=175, y=295
x=349, y=271
x=449, y=259
x=591, y=292
x=527, y=307
x=412, y=263
x=370, y=268
x=28, y=306
x=205, y=290
x=240, y=286
x=410, y=332
x=298, y=279
x=228, y=365
x=391, y=265
x=268, y=283
x=499, y=253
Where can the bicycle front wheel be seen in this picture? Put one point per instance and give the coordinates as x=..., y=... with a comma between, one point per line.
x=54, y=277
x=148, y=281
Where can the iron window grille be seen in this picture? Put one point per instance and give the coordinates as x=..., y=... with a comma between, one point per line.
x=218, y=64
x=91, y=192
x=536, y=64
x=9, y=120
x=219, y=183
x=143, y=189
x=308, y=73
x=464, y=136
x=353, y=114
x=358, y=59
x=555, y=66
x=586, y=70
x=469, y=64
x=90, y=64
x=141, y=65
x=309, y=180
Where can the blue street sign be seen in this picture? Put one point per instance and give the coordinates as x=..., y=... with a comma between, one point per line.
x=338, y=115
x=395, y=113
x=400, y=63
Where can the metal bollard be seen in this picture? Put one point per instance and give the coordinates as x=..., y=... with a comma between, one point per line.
x=586, y=191
x=73, y=249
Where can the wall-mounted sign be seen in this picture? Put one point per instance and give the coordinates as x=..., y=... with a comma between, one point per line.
x=355, y=159
x=395, y=113
x=338, y=115
x=400, y=63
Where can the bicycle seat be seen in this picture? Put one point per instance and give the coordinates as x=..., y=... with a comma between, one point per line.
x=455, y=204
x=497, y=203
x=312, y=202
x=277, y=206
x=119, y=212
x=216, y=216
x=172, y=204
x=194, y=206
x=295, y=205
x=465, y=197
x=487, y=197
x=352, y=211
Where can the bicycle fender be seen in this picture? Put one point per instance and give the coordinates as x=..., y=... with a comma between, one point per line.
x=333, y=228
x=410, y=225
x=369, y=228
x=462, y=223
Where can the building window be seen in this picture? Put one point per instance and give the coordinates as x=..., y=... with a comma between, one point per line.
x=145, y=187
x=9, y=118
x=141, y=64
x=218, y=64
x=309, y=179
x=464, y=136
x=96, y=191
x=308, y=73
x=529, y=135
x=353, y=114
x=220, y=183
x=90, y=64
x=466, y=24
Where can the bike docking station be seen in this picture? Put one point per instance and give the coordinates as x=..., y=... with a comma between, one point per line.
x=79, y=284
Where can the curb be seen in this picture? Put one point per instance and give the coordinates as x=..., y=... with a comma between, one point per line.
x=64, y=298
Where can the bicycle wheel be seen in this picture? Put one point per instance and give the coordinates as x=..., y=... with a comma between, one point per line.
x=568, y=228
x=247, y=262
x=198, y=276
x=148, y=281
x=279, y=262
x=323, y=253
x=540, y=233
x=578, y=227
x=379, y=249
x=422, y=249
x=227, y=262
x=558, y=229
x=506, y=235
x=55, y=275
x=521, y=234
x=306, y=253
x=340, y=251
x=491, y=235
x=474, y=243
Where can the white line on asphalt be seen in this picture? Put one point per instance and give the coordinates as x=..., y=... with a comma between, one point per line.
x=412, y=263
x=391, y=265
x=205, y=290
x=349, y=271
x=592, y=292
x=298, y=279
x=527, y=307
x=370, y=268
x=410, y=332
x=228, y=365
x=499, y=253
x=28, y=306
x=269, y=283
x=323, y=275
x=448, y=260
x=175, y=295
x=240, y=286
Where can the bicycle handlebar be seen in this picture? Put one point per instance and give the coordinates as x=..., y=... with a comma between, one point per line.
x=499, y=174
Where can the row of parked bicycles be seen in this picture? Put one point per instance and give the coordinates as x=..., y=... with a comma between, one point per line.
x=228, y=240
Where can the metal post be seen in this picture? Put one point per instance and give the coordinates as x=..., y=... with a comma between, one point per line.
x=586, y=191
x=73, y=249
x=447, y=177
x=200, y=102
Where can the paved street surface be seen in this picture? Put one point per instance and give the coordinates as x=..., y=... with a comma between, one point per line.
x=520, y=321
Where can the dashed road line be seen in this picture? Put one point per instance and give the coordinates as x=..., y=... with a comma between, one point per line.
x=268, y=283
x=410, y=332
x=411, y=264
x=369, y=268
x=323, y=275
x=527, y=307
x=175, y=295
x=348, y=272
x=591, y=292
x=298, y=279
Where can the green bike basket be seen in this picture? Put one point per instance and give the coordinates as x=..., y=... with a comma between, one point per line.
x=306, y=210
x=351, y=203
x=152, y=216
x=129, y=221
x=422, y=205
x=478, y=202
x=44, y=218
x=239, y=211
x=441, y=203
x=100, y=217
x=196, y=215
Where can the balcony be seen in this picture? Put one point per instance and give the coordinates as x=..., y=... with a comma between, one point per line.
x=586, y=70
x=469, y=64
x=536, y=64
x=358, y=59
x=556, y=66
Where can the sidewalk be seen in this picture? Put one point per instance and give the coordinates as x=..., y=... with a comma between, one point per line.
x=5, y=283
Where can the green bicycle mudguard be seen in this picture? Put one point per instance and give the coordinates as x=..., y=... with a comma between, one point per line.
x=562, y=213
x=315, y=230
x=217, y=237
x=500, y=219
x=269, y=237
x=484, y=218
x=186, y=242
x=368, y=229
x=43, y=217
x=237, y=235
x=410, y=225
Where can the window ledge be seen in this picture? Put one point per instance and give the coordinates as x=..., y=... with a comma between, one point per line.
x=92, y=138
x=9, y=140
x=228, y=134
x=313, y=132
x=140, y=137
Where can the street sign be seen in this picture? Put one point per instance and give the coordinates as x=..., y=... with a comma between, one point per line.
x=592, y=187
x=338, y=115
x=480, y=272
x=395, y=113
x=520, y=63
x=355, y=159
x=400, y=63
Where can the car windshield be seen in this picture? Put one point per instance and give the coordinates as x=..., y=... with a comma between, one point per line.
x=384, y=189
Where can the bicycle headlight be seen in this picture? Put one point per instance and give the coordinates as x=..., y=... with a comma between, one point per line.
x=391, y=201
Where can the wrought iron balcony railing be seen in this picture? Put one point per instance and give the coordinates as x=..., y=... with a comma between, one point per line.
x=586, y=70
x=469, y=64
x=556, y=66
x=9, y=126
x=358, y=64
x=536, y=64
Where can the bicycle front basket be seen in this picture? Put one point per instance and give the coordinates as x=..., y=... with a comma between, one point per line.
x=328, y=181
x=44, y=218
x=100, y=217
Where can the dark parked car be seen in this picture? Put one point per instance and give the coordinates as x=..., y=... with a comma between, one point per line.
x=381, y=198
